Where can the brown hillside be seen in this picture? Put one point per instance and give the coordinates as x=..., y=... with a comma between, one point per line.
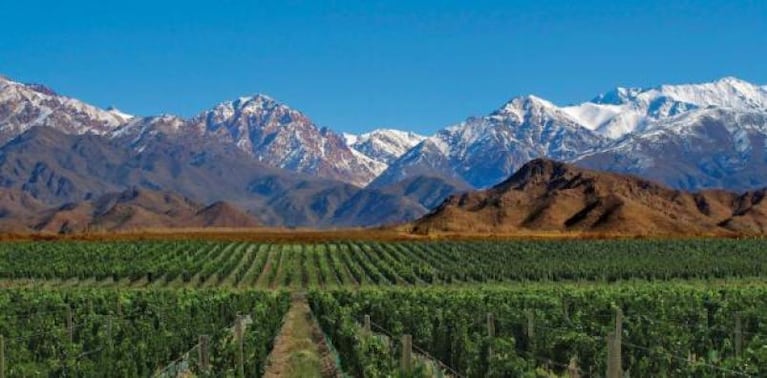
x=547, y=195
x=222, y=214
x=17, y=209
x=136, y=209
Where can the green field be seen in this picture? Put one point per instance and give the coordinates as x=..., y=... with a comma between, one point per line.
x=502, y=309
x=350, y=264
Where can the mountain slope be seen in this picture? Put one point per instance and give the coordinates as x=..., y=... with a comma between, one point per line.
x=706, y=148
x=18, y=210
x=135, y=209
x=553, y=196
x=428, y=191
x=57, y=168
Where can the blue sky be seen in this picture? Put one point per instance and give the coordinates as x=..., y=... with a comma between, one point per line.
x=357, y=65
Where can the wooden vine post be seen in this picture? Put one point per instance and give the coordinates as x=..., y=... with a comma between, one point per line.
x=110, y=344
x=204, y=354
x=738, y=335
x=70, y=325
x=407, y=353
x=366, y=325
x=490, y=334
x=614, y=343
x=2, y=356
x=530, y=331
x=239, y=331
x=572, y=369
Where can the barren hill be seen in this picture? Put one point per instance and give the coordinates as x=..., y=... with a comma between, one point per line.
x=136, y=209
x=552, y=196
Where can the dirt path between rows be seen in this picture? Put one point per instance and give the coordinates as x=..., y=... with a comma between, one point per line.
x=300, y=349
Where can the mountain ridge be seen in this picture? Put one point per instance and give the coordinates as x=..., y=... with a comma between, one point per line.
x=484, y=150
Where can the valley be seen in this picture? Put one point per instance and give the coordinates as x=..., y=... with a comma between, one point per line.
x=383, y=189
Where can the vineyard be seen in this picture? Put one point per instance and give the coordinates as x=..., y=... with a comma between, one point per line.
x=419, y=309
x=328, y=265
x=134, y=333
x=667, y=329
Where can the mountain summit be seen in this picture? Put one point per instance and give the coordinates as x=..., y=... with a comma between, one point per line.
x=282, y=137
x=23, y=106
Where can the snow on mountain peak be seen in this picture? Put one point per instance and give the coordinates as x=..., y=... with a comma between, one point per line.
x=400, y=136
x=728, y=92
x=384, y=145
x=526, y=103
x=29, y=105
x=258, y=99
x=280, y=136
x=125, y=116
x=520, y=107
x=350, y=139
x=622, y=111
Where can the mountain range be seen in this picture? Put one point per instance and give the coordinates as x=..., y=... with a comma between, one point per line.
x=279, y=167
x=709, y=135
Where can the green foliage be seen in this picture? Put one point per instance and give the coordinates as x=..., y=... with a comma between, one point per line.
x=208, y=264
x=665, y=325
x=138, y=337
x=440, y=292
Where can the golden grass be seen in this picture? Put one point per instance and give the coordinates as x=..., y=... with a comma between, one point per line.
x=284, y=235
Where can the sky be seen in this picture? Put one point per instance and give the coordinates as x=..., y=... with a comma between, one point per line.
x=358, y=65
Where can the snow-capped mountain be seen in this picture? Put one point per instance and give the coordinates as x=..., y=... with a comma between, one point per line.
x=689, y=136
x=282, y=137
x=711, y=132
x=270, y=132
x=23, y=106
x=483, y=151
x=712, y=147
x=384, y=145
x=626, y=110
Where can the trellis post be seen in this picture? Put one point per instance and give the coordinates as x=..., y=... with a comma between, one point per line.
x=614, y=343
x=490, y=333
x=204, y=356
x=407, y=353
x=530, y=330
x=366, y=325
x=110, y=344
x=70, y=324
x=2, y=356
x=240, y=346
x=572, y=368
x=738, y=335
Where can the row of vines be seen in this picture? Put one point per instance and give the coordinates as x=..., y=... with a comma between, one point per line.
x=202, y=264
x=668, y=329
x=131, y=333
